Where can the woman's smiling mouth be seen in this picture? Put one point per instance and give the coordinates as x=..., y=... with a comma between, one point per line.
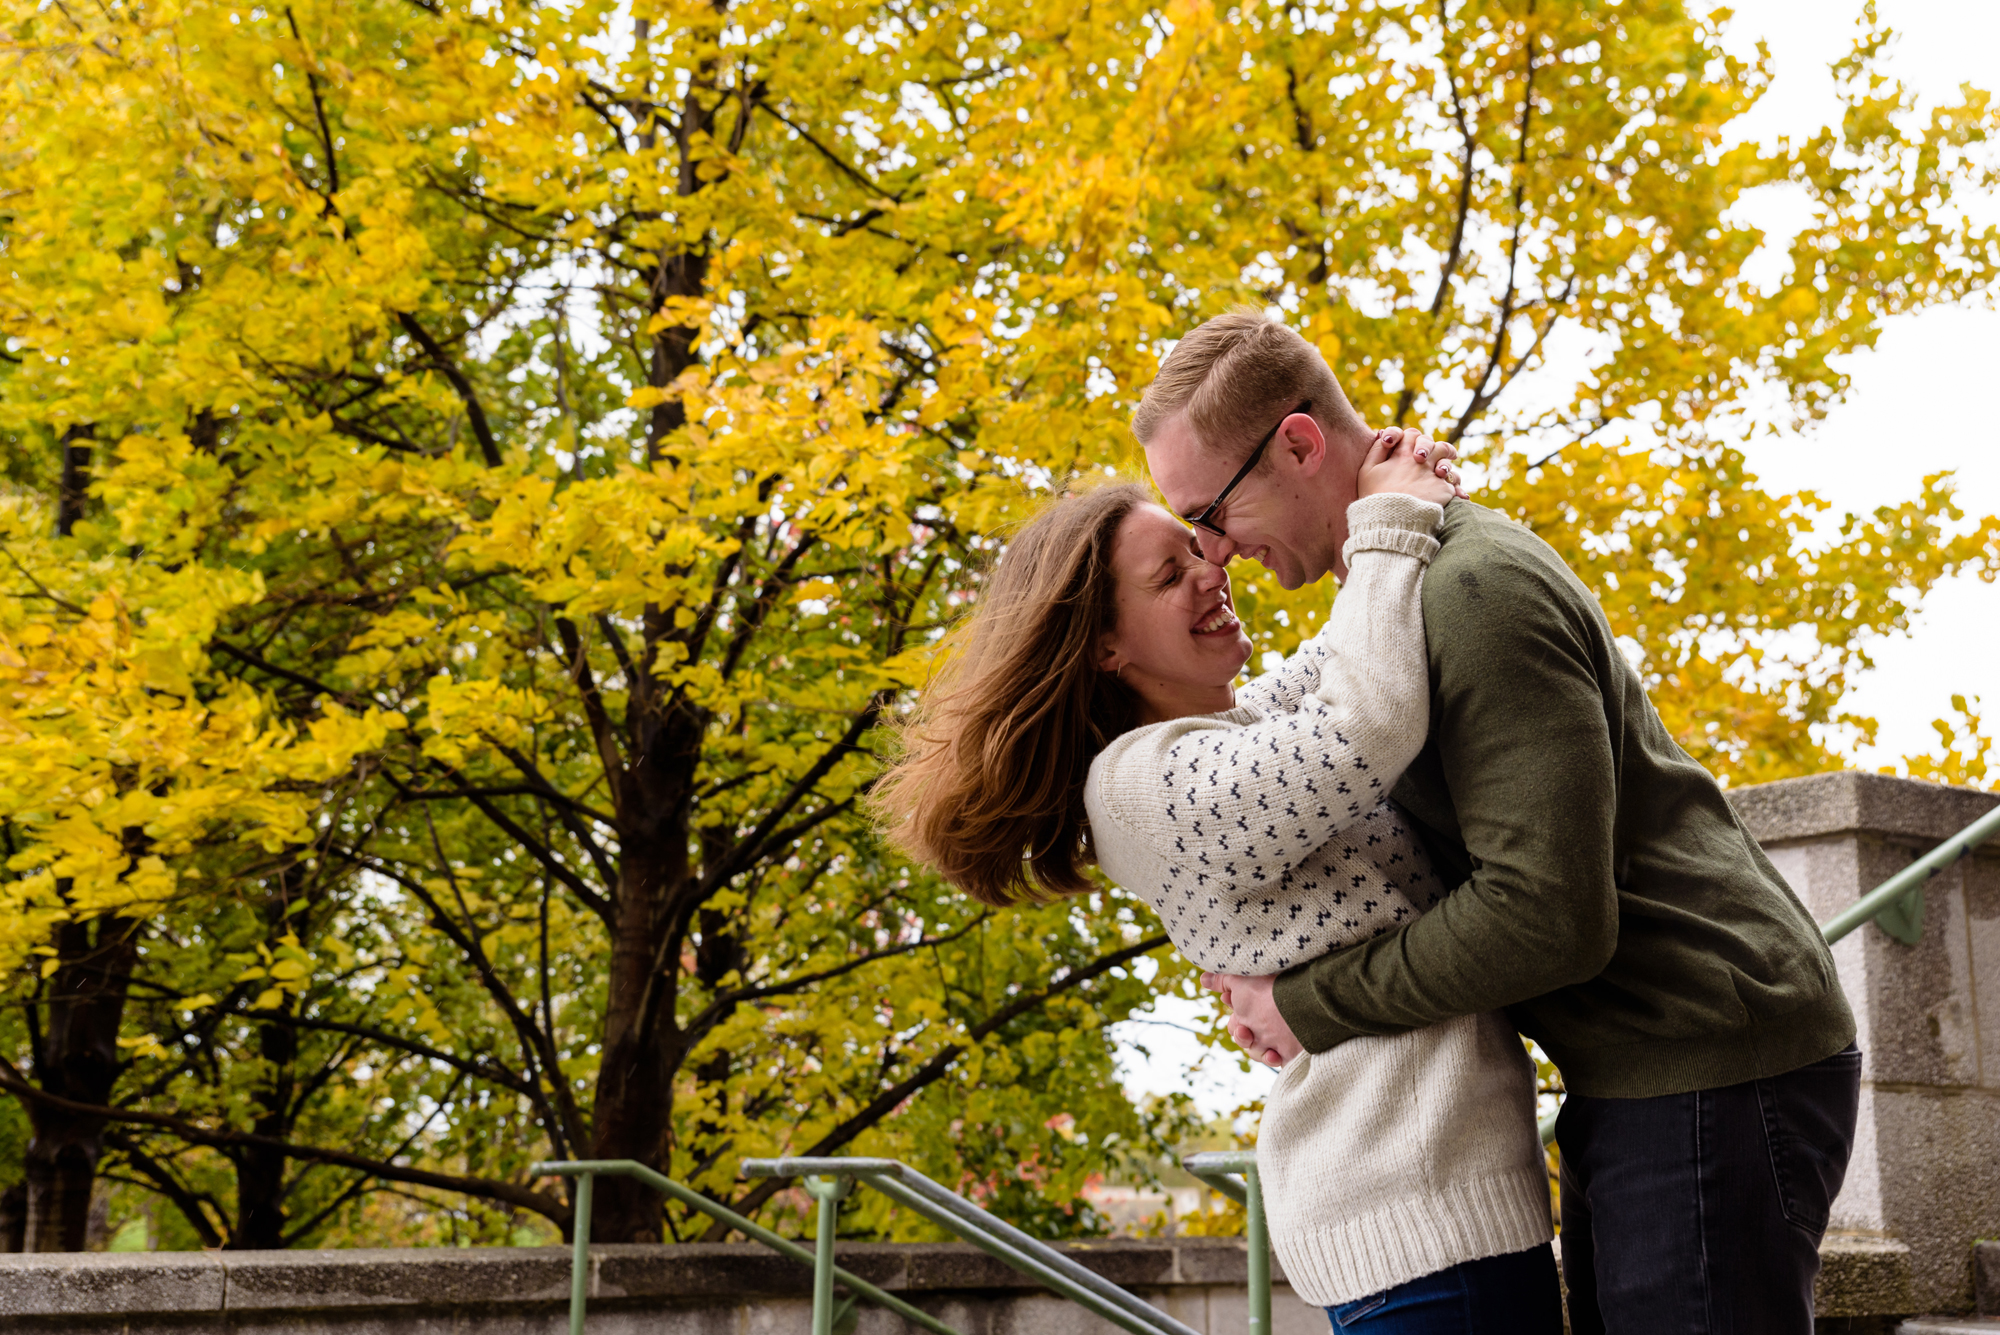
x=1217, y=621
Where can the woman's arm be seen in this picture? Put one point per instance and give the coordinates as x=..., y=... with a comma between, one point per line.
x=1282, y=688
x=1243, y=803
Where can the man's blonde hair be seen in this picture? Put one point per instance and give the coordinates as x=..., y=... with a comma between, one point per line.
x=1234, y=376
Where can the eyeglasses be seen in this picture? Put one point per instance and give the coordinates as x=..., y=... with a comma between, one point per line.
x=1206, y=519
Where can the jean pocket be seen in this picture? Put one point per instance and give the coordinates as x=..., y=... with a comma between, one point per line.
x=1346, y=1314
x=1809, y=1117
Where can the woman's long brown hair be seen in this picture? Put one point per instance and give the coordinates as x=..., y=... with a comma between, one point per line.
x=989, y=789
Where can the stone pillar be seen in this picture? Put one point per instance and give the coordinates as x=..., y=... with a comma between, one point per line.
x=1926, y=1166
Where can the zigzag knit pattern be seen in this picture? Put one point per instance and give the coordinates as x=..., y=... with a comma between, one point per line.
x=1261, y=835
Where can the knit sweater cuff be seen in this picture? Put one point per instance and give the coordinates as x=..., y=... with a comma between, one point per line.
x=1392, y=522
x=1298, y=1004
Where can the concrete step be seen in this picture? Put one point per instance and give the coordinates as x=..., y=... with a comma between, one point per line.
x=1950, y=1325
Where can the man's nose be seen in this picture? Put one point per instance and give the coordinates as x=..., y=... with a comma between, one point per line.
x=1215, y=548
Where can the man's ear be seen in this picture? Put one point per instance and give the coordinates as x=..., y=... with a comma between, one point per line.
x=1301, y=441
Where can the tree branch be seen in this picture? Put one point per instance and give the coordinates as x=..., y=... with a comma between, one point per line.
x=319, y=111
x=759, y=611
x=549, y=1207
x=594, y=712
x=504, y=1079
x=749, y=848
x=1480, y=397
x=162, y=1179
x=567, y=809
x=282, y=673
x=853, y=173
x=927, y=1074
x=728, y=1001
x=597, y=903
x=440, y=359
x=536, y=1046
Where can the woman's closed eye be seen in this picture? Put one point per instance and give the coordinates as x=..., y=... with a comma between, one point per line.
x=1178, y=571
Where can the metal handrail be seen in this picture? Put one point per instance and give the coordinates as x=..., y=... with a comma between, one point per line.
x=992, y=1235
x=1234, y=1174
x=1896, y=905
x=1887, y=897
x=579, y=1280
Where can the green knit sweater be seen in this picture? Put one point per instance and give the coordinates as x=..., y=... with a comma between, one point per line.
x=1606, y=897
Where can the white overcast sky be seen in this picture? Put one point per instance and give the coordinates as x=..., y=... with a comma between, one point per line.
x=1922, y=400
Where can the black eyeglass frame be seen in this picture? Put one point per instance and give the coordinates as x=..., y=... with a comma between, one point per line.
x=1206, y=519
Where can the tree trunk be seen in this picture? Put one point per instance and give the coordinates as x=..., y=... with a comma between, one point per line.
x=643, y=1043
x=14, y=1217
x=633, y=1118
x=79, y=1057
x=260, y=1170
x=73, y=487
x=78, y=1061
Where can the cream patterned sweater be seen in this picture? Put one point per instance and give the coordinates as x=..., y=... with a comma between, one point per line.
x=1262, y=838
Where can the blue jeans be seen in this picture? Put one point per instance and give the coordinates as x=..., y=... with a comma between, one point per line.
x=1514, y=1294
x=1701, y=1213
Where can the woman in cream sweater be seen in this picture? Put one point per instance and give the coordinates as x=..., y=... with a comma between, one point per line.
x=1088, y=714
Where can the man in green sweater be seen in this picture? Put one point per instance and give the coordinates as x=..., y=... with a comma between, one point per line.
x=1607, y=898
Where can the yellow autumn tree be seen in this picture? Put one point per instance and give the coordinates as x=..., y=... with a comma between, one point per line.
x=515, y=457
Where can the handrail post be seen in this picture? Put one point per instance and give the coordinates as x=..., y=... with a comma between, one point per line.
x=579, y=1268
x=1260, y=1251
x=1220, y=1169
x=827, y=1191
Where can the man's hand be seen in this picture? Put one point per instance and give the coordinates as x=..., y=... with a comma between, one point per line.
x=1254, y=1022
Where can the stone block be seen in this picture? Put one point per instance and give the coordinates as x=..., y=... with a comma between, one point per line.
x=496, y=1320
x=1043, y=1313
x=960, y=1267
x=1126, y=1262
x=624, y=1270
x=1184, y=1303
x=1915, y=1007
x=1216, y=1261
x=1849, y=801
x=1986, y=1277
x=1863, y=1276
x=700, y=1320
x=1229, y=1312
x=1290, y=1315
x=1981, y=882
x=788, y=1316
x=364, y=1277
x=1945, y=1145
x=52, y=1284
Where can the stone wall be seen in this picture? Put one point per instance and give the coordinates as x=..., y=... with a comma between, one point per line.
x=697, y=1289
x=1924, y=1183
